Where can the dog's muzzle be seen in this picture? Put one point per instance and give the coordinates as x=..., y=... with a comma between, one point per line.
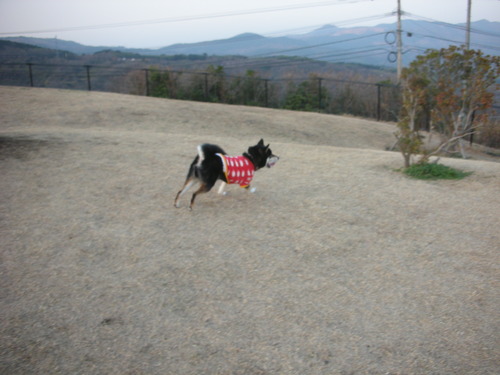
x=271, y=160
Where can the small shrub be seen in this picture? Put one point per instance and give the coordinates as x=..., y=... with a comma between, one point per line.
x=435, y=172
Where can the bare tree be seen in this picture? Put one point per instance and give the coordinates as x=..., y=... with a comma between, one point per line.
x=457, y=83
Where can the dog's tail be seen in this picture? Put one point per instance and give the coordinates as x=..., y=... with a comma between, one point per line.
x=206, y=150
x=201, y=155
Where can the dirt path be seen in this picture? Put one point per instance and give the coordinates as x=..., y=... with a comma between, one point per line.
x=337, y=265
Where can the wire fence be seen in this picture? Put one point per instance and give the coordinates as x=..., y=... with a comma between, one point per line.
x=314, y=93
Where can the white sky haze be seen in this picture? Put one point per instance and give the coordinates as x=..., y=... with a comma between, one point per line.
x=159, y=23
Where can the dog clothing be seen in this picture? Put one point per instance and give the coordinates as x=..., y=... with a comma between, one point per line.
x=238, y=169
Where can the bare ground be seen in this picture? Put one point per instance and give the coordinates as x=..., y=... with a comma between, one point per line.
x=337, y=265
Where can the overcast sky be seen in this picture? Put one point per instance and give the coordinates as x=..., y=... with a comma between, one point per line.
x=158, y=23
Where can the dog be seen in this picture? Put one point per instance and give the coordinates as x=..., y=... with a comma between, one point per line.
x=212, y=164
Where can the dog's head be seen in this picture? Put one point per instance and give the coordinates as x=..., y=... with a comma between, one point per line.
x=262, y=155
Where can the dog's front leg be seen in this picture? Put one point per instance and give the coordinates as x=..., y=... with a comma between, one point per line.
x=251, y=189
x=221, y=188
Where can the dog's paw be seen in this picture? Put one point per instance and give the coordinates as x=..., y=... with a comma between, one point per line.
x=225, y=193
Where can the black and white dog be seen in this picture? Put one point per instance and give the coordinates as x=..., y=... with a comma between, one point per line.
x=212, y=164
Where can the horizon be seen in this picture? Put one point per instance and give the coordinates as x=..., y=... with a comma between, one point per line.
x=304, y=32
x=133, y=24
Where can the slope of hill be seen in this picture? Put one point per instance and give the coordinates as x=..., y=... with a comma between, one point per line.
x=16, y=52
x=58, y=44
x=338, y=263
x=177, y=117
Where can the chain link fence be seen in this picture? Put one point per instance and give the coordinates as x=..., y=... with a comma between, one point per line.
x=314, y=93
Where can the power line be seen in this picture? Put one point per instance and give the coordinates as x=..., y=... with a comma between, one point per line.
x=349, y=52
x=360, y=55
x=467, y=37
x=305, y=29
x=453, y=26
x=277, y=61
x=320, y=45
x=457, y=42
x=353, y=54
x=187, y=18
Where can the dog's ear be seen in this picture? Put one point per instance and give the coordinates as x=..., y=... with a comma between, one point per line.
x=261, y=142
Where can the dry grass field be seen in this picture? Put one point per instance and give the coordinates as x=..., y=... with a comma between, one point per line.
x=338, y=264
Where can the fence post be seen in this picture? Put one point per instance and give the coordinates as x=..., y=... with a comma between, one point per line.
x=319, y=94
x=88, y=77
x=206, y=86
x=378, y=101
x=31, y=73
x=146, y=72
x=266, y=92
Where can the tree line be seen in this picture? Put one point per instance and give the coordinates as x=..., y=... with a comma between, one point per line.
x=315, y=93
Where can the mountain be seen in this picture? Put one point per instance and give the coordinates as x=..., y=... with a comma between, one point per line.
x=368, y=45
x=247, y=44
x=377, y=45
x=74, y=47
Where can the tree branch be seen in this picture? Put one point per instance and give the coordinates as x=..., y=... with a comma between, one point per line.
x=444, y=144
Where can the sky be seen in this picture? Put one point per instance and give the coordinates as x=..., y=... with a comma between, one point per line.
x=159, y=23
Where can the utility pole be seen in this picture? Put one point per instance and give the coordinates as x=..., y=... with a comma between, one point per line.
x=399, y=43
x=467, y=36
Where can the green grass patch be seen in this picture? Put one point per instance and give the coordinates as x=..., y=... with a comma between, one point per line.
x=435, y=172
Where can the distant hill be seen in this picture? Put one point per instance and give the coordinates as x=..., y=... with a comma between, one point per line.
x=245, y=45
x=58, y=44
x=13, y=52
x=117, y=71
x=368, y=45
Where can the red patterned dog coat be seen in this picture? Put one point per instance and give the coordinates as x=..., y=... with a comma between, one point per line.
x=238, y=169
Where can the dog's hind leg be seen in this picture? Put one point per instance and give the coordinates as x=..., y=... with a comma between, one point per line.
x=202, y=189
x=187, y=185
x=205, y=187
